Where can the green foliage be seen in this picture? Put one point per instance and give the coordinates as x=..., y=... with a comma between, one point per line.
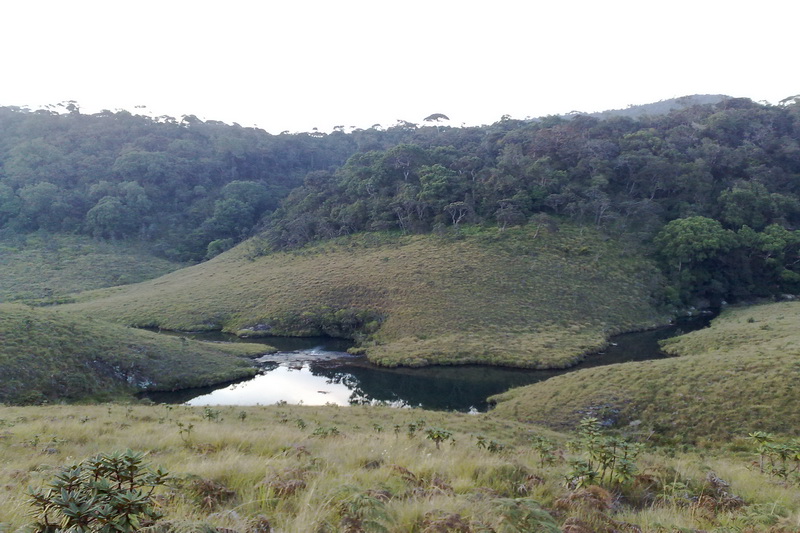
x=362, y=512
x=104, y=494
x=438, y=435
x=609, y=460
x=523, y=514
x=706, y=260
x=778, y=459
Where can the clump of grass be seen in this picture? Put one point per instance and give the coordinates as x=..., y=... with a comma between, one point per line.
x=515, y=298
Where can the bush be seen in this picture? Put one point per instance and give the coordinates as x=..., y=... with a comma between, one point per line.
x=103, y=494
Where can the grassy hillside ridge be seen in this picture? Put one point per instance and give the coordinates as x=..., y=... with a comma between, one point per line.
x=323, y=468
x=46, y=356
x=737, y=376
x=46, y=267
x=523, y=297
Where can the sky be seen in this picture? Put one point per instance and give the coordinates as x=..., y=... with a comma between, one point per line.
x=303, y=64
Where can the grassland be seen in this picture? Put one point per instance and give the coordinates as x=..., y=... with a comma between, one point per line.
x=737, y=376
x=521, y=297
x=303, y=469
x=46, y=356
x=44, y=267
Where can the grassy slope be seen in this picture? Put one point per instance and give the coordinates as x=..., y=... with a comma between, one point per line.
x=517, y=298
x=47, y=356
x=737, y=376
x=50, y=266
x=241, y=463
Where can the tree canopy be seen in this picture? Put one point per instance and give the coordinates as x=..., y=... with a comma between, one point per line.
x=713, y=183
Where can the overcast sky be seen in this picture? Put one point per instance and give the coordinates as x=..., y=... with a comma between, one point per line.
x=296, y=65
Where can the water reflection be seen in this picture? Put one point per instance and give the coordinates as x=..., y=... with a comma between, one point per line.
x=317, y=372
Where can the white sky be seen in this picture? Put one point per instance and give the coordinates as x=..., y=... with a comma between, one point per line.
x=295, y=65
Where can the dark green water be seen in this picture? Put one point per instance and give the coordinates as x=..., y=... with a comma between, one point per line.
x=316, y=371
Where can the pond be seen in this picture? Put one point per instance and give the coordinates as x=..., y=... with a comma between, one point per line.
x=318, y=371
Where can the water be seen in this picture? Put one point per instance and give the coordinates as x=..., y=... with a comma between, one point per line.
x=318, y=371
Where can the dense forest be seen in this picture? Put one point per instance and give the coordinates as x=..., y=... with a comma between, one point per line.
x=714, y=189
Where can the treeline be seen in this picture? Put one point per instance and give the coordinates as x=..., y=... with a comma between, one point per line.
x=180, y=184
x=195, y=188
x=192, y=188
x=736, y=164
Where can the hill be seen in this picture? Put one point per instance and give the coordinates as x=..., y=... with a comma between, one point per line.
x=48, y=357
x=527, y=296
x=735, y=377
x=662, y=107
x=46, y=267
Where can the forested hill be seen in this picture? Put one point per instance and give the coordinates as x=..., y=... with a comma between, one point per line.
x=715, y=188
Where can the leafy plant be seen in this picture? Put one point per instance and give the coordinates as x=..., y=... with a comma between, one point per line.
x=610, y=459
x=362, y=512
x=546, y=450
x=106, y=493
x=523, y=514
x=438, y=435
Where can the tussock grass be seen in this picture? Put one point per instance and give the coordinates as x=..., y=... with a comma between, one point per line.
x=47, y=268
x=47, y=356
x=737, y=376
x=519, y=297
x=240, y=463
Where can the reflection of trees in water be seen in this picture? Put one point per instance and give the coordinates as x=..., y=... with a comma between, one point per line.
x=447, y=388
x=456, y=389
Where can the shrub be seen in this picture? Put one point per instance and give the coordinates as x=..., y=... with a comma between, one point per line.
x=106, y=493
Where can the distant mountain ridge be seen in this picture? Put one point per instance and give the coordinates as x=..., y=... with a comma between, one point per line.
x=661, y=107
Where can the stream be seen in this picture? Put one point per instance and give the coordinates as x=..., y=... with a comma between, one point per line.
x=318, y=371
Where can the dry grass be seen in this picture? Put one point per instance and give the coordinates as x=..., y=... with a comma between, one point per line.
x=737, y=376
x=240, y=463
x=512, y=298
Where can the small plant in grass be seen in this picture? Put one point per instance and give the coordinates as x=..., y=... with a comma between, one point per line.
x=438, y=435
x=185, y=431
x=324, y=432
x=362, y=512
x=495, y=446
x=106, y=493
x=523, y=514
x=781, y=460
x=581, y=474
x=211, y=414
x=490, y=445
x=546, y=450
x=609, y=459
x=415, y=426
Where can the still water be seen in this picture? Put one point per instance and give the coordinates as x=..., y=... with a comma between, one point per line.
x=318, y=371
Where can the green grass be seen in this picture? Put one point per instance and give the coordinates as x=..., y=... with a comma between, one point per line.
x=519, y=298
x=238, y=465
x=43, y=267
x=47, y=356
x=737, y=376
